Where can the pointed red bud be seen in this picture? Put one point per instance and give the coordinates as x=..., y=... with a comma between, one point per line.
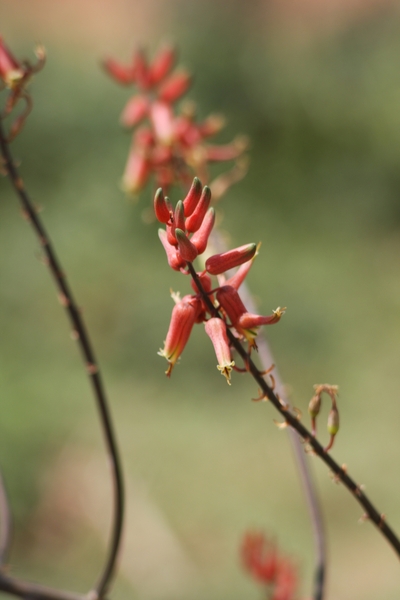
x=184, y=316
x=175, y=86
x=216, y=331
x=121, y=74
x=193, y=197
x=174, y=259
x=179, y=216
x=200, y=238
x=161, y=207
x=135, y=111
x=140, y=70
x=162, y=64
x=186, y=249
x=194, y=221
x=219, y=263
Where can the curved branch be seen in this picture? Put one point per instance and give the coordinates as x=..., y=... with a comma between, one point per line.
x=79, y=329
x=339, y=473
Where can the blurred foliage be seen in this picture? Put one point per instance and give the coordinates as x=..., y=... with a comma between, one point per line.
x=322, y=194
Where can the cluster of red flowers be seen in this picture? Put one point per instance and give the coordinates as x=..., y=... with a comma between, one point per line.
x=170, y=145
x=15, y=76
x=261, y=558
x=188, y=228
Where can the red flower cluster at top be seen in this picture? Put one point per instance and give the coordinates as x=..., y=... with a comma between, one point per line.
x=188, y=228
x=261, y=558
x=168, y=144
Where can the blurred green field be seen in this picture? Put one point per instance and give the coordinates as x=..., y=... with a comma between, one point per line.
x=202, y=462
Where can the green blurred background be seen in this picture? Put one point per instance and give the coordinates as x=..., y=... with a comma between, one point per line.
x=317, y=89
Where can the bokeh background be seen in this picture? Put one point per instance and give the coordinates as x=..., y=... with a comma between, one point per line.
x=316, y=86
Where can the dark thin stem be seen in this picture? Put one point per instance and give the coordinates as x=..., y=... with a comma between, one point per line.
x=339, y=473
x=303, y=465
x=80, y=333
x=5, y=524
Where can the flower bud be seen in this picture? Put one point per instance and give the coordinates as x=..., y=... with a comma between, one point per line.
x=194, y=221
x=161, y=207
x=135, y=111
x=174, y=258
x=186, y=249
x=333, y=420
x=179, y=216
x=162, y=64
x=237, y=279
x=175, y=86
x=193, y=197
x=231, y=302
x=314, y=406
x=121, y=74
x=216, y=331
x=219, y=263
x=184, y=315
x=200, y=238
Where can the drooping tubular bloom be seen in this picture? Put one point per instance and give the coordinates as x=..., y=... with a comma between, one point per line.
x=216, y=331
x=184, y=315
x=186, y=234
x=245, y=323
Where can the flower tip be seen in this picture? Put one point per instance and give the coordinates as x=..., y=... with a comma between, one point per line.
x=225, y=370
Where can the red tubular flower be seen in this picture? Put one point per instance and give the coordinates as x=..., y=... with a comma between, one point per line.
x=250, y=321
x=237, y=279
x=161, y=207
x=174, y=258
x=175, y=86
x=200, y=238
x=231, y=303
x=187, y=250
x=219, y=263
x=137, y=171
x=194, y=221
x=162, y=64
x=216, y=331
x=261, y=558
x=179, y=216
x=184, y=316
x=192, y=197
x=135, y=111
x=245, y=323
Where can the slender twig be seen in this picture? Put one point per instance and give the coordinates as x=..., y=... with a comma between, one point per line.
x=5, y=524
x=81, y=335
x=303, y=466
x=339, y=473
